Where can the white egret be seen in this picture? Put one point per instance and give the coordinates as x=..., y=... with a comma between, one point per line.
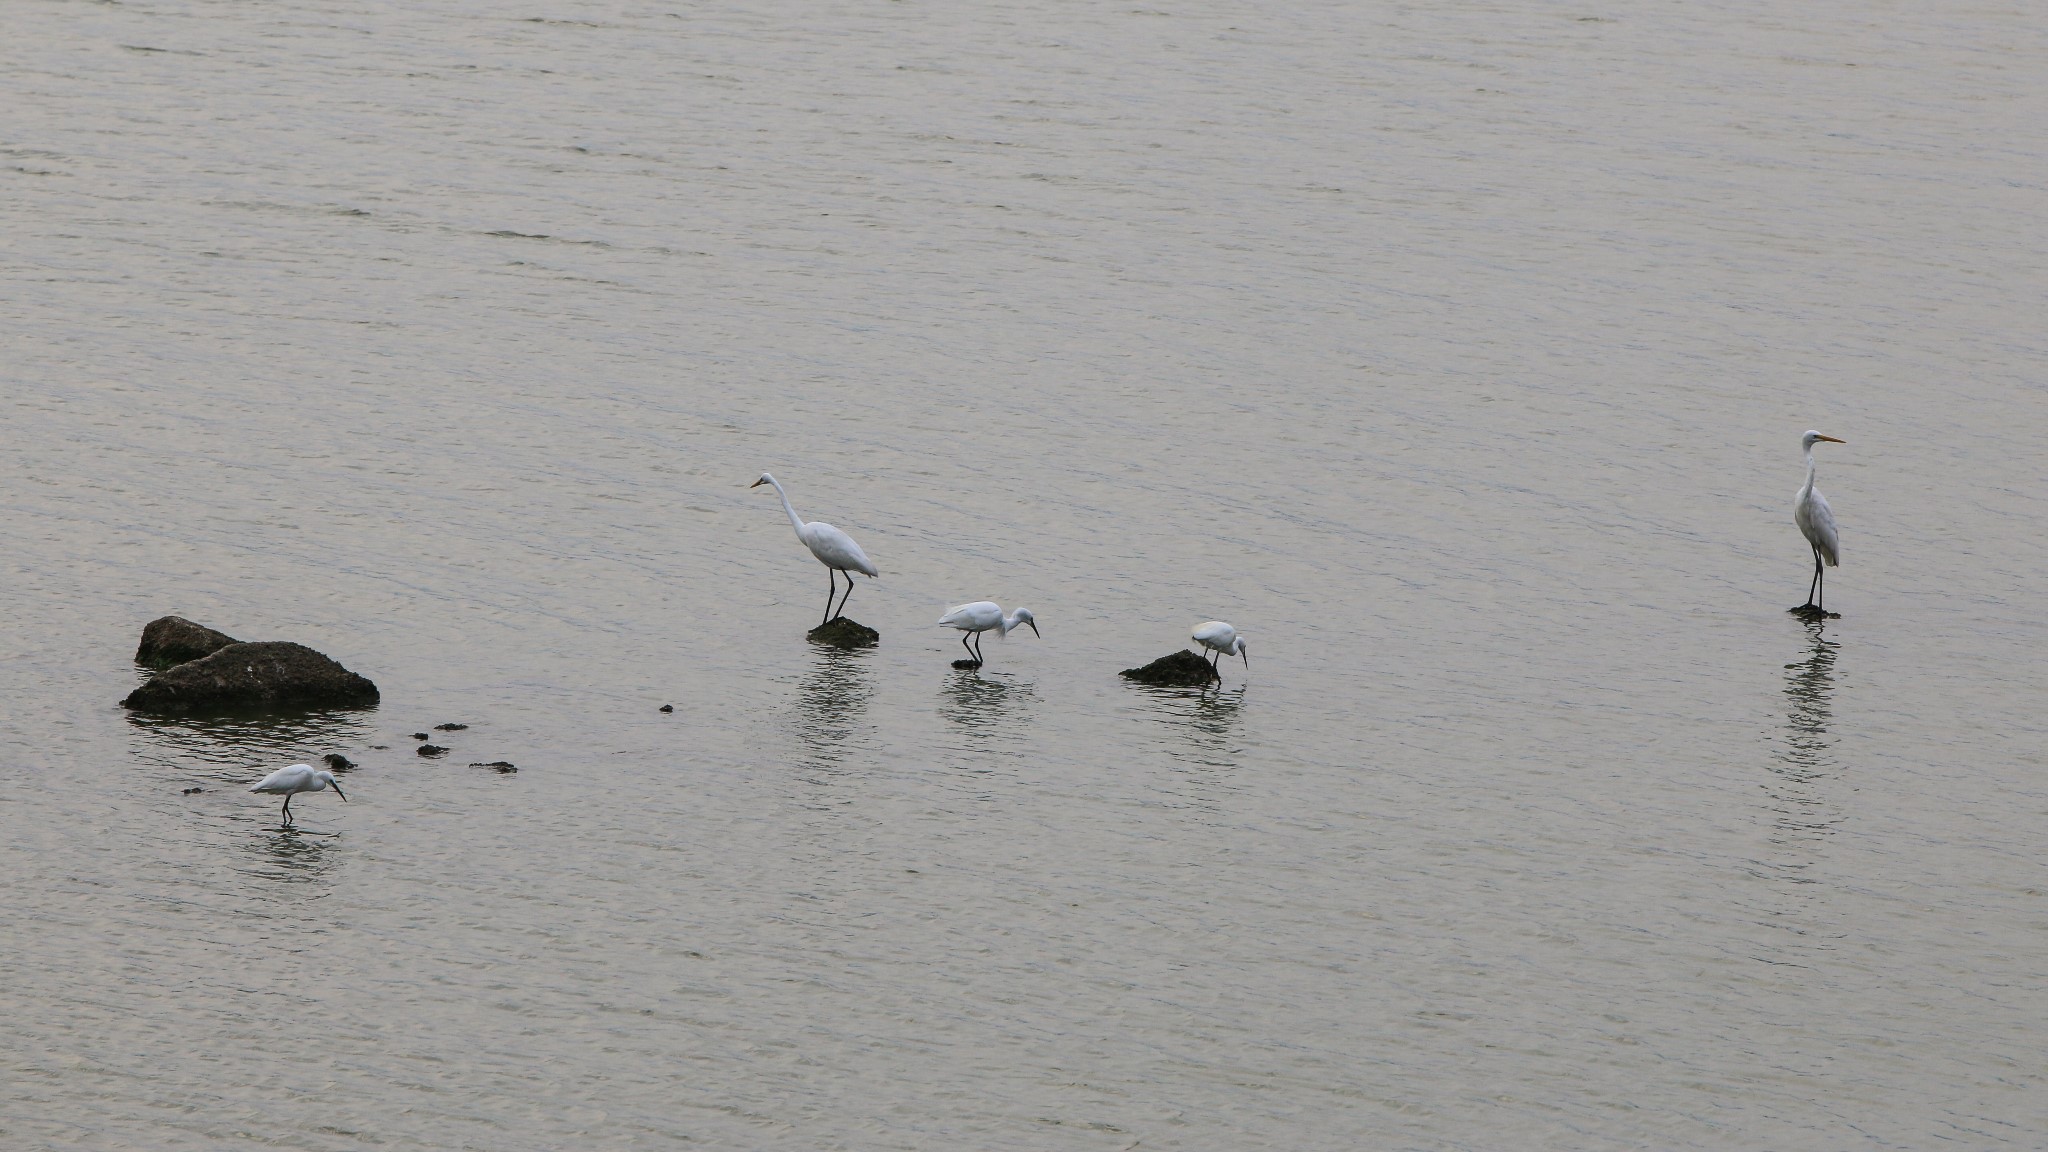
x=1223, y=640
x=833, y=548
x=294, y=780
x=1817, y=523
x=981, y=616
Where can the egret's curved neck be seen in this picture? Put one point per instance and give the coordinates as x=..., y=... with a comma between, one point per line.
x=797, y=523
x=1809, y=468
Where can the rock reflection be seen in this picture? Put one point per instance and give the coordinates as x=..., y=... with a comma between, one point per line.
x=244, y=746
x=832, y=702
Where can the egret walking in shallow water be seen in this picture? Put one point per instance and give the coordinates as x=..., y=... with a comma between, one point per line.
x=981, y=616
x=296, y=779
x=1223, y=640
x=833, y=548
x=1817, y=523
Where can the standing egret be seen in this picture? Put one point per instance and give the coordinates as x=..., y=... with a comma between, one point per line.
x=296, y=779
x=980, y=616
x=833, y=548
x=1223, y=640
x=1817, y=523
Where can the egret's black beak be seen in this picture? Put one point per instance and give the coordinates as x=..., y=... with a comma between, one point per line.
x=757, y=483
x=1034, y=629
x=340, y=793
x=1247, y=660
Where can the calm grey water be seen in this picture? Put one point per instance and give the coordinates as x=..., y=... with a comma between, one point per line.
x=1457, y=353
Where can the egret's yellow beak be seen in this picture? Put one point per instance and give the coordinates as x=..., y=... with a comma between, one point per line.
x=1831, y=439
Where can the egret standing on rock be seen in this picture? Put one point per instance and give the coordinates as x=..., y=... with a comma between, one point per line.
x=296, y=779
x=1223, y=640
x=1817, y=523
x=833, y=548
x=980, y=616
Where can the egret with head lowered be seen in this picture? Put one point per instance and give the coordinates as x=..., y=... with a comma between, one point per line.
x=1223, y=640
x=982, y=616
x=1817, y=523
x=296, y=779
x=833, y=548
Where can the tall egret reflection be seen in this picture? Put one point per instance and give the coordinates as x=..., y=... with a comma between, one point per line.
x=1797, y=791
x=832, y=703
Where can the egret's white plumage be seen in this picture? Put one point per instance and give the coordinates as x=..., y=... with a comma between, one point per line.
x=833, y=548
x=982, y=616
x=296, y=779
x=1817, y=523
x=1222, y=639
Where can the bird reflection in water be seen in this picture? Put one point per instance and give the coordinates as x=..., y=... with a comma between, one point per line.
x=1206, y=725
x=1802, y=815
x=290, y=856
x=984, y=707
x=832, y=700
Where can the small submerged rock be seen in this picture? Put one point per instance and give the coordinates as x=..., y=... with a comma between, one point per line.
x=668, y=707
x=190, y=791
x=1182, y=669
x=172, y=640
x=842, y=632
x=431, y=750
x=338, y=762
x=419, y=735
x=450, y=727
x=500, y=765
x=268, y=673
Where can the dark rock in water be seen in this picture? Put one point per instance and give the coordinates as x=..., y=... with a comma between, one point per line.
x=338, y=762
x=269, y=673
x=964, y=665
x=500, y=765
x=190, y=791
x=419, y=735
x=173, y=640
x=1183, y=669
x=842, y=632
x=380, y=747
x=668, y=707
x=431, y=750
x=450, y=727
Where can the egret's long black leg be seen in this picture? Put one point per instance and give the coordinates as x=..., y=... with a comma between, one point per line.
x=1820, y=582
x=831, y=590
x=842, y=600
x=1814, y=586
x=287, y=807
x=977, y=649
x=966, y=645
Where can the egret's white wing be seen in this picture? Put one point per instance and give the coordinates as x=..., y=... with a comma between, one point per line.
x=835, y=549
x=978, y=616
x=1817, y=523
x=292, y=779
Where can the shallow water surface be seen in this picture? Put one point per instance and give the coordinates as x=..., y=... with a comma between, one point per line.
x=1457, y=354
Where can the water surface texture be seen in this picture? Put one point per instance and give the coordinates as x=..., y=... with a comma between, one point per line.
x=1457, y=353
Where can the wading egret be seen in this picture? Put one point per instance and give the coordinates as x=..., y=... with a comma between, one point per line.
x=1817, y=523
x=1223, y=640
x=980, y=616
x=294, y=780
x=833, y=548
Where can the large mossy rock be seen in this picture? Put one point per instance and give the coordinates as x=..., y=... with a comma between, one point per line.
x=173, y=640
x=1183, y=669
x=841, y=632
x=273, y=673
